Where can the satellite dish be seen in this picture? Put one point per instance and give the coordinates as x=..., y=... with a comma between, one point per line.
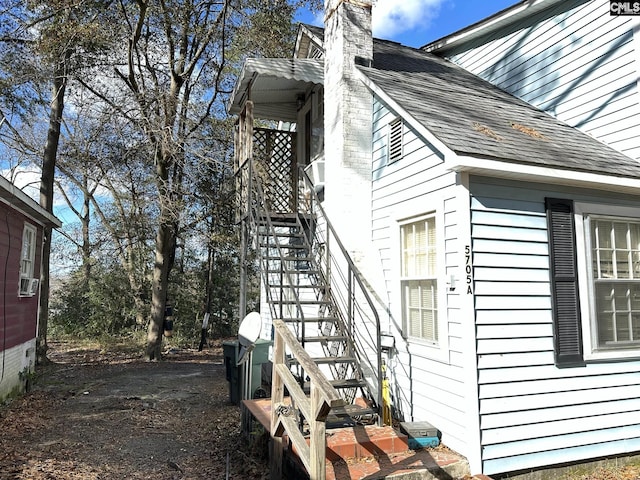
x=248, y=333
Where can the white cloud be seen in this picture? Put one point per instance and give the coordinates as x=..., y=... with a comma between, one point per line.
x=394, y=17
x=26, y=179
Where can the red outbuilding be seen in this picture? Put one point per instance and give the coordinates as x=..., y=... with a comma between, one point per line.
x=22, y=222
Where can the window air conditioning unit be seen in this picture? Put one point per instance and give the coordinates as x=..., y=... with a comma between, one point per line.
x=33, y=286
x=29, y=286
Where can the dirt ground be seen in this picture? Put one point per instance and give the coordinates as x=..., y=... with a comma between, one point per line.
x=102, y=415
x=107, y=415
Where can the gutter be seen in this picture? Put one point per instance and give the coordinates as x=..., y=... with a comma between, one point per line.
x=509, y=15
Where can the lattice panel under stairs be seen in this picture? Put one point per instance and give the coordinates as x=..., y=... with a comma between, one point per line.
x=274, y=152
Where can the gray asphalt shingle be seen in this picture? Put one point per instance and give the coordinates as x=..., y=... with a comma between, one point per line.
x=473, y=117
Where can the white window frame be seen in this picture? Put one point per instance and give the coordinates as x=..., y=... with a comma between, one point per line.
x=583, y=214
x=409, y=212
x=431, y=249
x=27, y=285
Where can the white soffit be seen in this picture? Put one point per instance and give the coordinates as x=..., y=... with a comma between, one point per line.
x=273, y=84
x=551, y=176
x=510, y=15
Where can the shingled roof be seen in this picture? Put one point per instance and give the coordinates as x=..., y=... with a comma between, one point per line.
x=472, y=117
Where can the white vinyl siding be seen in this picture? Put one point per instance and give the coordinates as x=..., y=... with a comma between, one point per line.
x=14, y=362
x=428, y=383
x=580, y=65
x=533, y=414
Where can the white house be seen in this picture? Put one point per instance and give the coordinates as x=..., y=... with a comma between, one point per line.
x=487, y=186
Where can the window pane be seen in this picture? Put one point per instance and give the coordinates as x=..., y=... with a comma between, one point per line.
x=605, y=267
x=634, y=236
x=603, y=234
x=428, y=325
x=620, y=298
x=635, y=327
x=414, y=322
x=620, y=234
x=634, y=296
x=420, y=247
x=618, y=314
x=420, y=301
x=622, y=264
x=431, y=247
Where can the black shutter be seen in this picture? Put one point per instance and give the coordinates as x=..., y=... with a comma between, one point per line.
x=564, y=283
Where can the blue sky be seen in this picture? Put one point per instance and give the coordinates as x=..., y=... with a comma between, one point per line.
x=418, y=22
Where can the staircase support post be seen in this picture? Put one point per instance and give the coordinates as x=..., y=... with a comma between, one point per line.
x=277, y=397
x=318, y=439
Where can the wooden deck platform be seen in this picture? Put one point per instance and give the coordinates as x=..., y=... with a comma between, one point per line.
x=375, y=452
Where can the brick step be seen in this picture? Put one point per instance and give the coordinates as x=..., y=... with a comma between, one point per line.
x=384, y=453
x=426, y=464
x=374, y=452
x=364, y=441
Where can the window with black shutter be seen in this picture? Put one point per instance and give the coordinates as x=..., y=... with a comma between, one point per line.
x=564, y=283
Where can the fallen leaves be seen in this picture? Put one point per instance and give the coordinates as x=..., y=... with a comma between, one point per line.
x=96, y=415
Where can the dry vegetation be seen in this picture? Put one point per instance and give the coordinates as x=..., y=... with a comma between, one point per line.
x=94, y=414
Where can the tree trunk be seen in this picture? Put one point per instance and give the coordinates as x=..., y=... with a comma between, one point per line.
x=46, y=200
x=165, y=245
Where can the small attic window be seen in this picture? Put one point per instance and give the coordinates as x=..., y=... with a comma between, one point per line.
x=396, y=134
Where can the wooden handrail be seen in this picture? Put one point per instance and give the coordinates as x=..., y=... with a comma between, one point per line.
x=314, y=408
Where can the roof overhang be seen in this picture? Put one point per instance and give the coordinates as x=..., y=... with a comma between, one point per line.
x=505, y=17
x=551, y=176
x=17, y=199
x=274, y=85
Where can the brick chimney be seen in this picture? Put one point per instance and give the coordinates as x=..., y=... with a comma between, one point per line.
x=348, y=121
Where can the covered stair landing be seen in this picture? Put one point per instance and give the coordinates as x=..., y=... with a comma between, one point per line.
x=374, y=452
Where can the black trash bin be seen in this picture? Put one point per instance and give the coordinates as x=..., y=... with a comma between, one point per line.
x=230, y=350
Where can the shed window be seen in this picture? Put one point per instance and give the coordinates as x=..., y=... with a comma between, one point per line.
x=418, y=279
x=28, y=285
x=396, y=133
